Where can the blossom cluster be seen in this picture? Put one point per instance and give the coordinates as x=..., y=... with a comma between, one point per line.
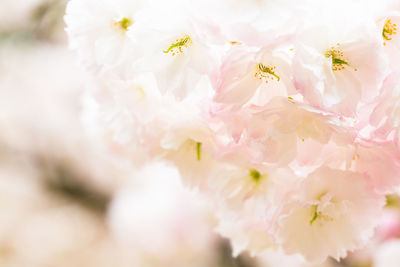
x=283, y=113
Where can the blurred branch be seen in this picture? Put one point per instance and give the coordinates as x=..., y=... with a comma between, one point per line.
x=227, y=260
x=65, y=180
x=48, y=18
x=44, y=24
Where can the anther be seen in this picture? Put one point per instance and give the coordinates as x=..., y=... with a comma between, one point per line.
x=177, y=47
x=338, y=60
x=388, y=30
x=266, y=73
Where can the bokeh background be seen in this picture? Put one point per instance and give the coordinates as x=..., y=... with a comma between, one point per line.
x=66, y=200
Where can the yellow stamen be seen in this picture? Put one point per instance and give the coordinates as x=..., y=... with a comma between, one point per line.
x=123, y=24
x=255, y=175
x=319, y=215
x=338, y=60
x=234, y=43
x=388, y=30
x=356, y=156
x=198, y=150
x=266, y=73
x=314, y=213
x=176, y=48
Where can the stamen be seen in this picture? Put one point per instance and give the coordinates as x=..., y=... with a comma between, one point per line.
x=356, y=156
x=255, y=175
x=198, y=150
x=234, y=43
x=176, y=48
x=123, y=24
x=314, y=213
x=338, y=60
x=388, y=30
x=266, y=73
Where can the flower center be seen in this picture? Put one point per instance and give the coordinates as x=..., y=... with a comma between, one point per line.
x=266, y=73
x=123, y=24
x=177, y=47
x=255, y=175
x=389, y=29
x=338, y=60
x=317, y=214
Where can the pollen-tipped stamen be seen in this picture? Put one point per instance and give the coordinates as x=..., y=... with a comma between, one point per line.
x=176, y=47
x=266, y=73
x=388, y=30
x=338, y=60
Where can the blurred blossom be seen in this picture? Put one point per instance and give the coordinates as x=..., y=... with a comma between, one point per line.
x=389, y=226
x=66, y=199
x=40, y=113
x=388, y=254
x=152, y=213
